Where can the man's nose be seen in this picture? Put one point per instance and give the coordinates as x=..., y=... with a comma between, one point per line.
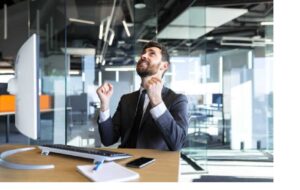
x=143, y=56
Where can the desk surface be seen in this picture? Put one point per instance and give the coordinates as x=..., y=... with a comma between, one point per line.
x=164, y=169
x=7, y=113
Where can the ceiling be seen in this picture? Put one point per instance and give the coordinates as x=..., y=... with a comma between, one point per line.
x=208, y=25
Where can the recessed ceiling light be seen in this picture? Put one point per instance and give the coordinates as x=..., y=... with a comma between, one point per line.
x=188, y=44
x=139, y=4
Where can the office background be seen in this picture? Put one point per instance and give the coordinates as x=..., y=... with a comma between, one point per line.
x=221, y=54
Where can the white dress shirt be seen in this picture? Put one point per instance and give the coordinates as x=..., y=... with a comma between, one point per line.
x=156, y=111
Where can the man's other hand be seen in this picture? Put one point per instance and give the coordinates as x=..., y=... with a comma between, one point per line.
x=105, y=92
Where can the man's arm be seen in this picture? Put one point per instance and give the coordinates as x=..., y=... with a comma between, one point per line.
x=108, y=133
x=173, y=123
x=110, y=128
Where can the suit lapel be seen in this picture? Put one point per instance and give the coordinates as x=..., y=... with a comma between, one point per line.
x=132, y=106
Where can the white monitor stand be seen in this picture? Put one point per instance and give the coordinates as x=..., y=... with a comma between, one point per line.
x=11, y=165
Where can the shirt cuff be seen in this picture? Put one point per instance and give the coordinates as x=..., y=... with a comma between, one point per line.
x=158, y=110
x=103, y=116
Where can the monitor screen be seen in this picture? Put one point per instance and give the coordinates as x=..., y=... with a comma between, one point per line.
x=217, y=99
x=26, y=86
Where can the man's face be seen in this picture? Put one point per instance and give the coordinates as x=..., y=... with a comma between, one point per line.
x=150, y=62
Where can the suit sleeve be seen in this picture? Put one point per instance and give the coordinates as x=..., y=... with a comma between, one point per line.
x=110, y=129
x=173, y=123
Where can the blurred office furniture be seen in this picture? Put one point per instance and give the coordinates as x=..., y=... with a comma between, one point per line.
x=7, y=109
x=217, y=99
x=3, y=88
x=204, y=130
x=78, y=115
x=7, y=124
x=195, y=146
x=7, y=103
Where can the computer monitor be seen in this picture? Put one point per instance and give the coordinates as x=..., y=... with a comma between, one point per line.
x=217, y=98
x=25, y=86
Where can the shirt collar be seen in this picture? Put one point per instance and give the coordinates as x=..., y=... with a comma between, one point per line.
x=141, y=89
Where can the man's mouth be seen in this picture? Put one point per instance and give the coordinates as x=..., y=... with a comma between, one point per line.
x=142, y=63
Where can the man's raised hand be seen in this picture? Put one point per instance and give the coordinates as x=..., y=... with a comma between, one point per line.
x=105, y=92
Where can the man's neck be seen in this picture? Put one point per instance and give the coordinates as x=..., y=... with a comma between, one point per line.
x=145, y=79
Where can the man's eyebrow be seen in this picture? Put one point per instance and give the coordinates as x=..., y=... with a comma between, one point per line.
x=148, y=50
x=151, y=50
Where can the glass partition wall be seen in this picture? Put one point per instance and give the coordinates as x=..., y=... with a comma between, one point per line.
x=221, y=59
x=21, y=20
x=234, y=107
x=244, y=61
x=187, y=74
x=99, y=43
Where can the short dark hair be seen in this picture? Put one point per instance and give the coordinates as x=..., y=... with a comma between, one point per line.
x=164, y=52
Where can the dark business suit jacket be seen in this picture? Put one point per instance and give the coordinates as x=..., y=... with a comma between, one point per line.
x=168, y=132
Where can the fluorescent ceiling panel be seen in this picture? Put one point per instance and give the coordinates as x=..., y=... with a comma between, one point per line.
x=79, y=51
x=197, y=21
x=183, y=32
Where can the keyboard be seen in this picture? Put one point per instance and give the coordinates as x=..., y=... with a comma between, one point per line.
x=83, y=152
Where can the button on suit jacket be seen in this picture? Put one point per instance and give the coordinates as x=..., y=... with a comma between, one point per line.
x=167, y=132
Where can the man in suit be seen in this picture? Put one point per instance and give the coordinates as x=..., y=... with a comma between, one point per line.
x=162, y=120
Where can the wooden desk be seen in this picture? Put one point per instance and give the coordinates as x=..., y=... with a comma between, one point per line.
x=164, y=169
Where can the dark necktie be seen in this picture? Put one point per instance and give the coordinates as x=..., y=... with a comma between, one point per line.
x=137, y=121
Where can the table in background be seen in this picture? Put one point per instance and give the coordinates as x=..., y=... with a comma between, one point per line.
x=7, y=125
x=9, y=113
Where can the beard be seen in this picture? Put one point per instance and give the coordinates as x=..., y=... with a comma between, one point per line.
x=145, y=69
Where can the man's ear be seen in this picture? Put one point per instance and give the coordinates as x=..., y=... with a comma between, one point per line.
x=164, y=65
